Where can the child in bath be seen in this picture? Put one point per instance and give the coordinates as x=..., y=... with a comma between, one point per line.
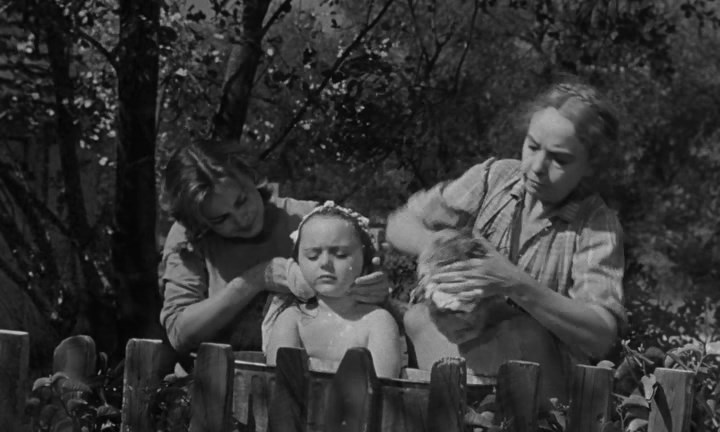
x=333, y=247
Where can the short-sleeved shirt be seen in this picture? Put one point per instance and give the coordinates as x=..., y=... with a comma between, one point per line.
x=578, y=252
x=194, y=272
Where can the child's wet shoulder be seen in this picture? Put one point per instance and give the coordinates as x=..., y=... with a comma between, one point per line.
x=374, y=312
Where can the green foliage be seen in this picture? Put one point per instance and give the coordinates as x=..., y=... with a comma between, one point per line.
x=170, y=406
x=72, y=403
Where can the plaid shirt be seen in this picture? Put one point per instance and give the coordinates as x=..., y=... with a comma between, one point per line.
x=578, y=252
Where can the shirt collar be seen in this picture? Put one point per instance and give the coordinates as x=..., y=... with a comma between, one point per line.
x=566, y=211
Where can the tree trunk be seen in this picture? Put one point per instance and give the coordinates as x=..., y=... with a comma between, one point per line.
x=94, y=317
x=134, y=253
x=240, y=72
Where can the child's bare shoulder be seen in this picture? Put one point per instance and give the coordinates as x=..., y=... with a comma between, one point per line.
x=377, y=316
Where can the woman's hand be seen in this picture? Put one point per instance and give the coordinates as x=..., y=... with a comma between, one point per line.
x=373, y=288
x=478, y=278
x=283, y=276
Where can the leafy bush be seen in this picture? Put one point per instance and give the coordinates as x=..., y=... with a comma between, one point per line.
x=77, y=397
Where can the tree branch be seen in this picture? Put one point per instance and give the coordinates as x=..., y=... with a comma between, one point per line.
x=314, y=95
x=413, y=15
x=109, y=56
x=284, y=7
x=13, y=184
x=13, y=275
x=456, y=84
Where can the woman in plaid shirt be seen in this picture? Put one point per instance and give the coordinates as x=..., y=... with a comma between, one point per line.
x=554, y=250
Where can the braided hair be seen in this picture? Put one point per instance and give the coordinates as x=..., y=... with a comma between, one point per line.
x=595, y=120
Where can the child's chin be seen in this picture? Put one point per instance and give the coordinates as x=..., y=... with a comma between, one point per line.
x=330, y=291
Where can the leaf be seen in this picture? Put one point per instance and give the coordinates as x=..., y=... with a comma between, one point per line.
x=649, y=383
x=57, y=377
x=636, y=425
x=71, y=385
x=32, y=402
x=76, y=356
x=74, y=404
x=64, y=425
x=48, y=413
x=635, y=400
x=713, y=348
x=488, y=404
x=558, y=418
x=109, y=412
x=41, y=382
x=606, y=364
x=484, y=419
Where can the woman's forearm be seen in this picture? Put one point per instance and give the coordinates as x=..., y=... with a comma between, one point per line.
x=588, y=326
x=203, y=320
x=406, y=233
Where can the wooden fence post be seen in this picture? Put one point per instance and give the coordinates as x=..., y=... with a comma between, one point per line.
x=146, y=363
x=212, y=391
x=354, y=403
x=253, y=384
x=14, y=358
x=76, y=356
x=447, y=401
x=590, y=399
x=288, y=405
x=672, y=405
x=517, y=394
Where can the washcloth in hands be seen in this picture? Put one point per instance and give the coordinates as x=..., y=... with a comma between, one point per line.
x=450, y=246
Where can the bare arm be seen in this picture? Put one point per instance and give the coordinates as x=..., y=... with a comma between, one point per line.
x=406, y=232
x=384, y=344
x=284, y=333
x=587, y=316
x=445, y=205
x=588, y=326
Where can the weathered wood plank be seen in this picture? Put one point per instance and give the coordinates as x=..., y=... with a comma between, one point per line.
x=14, y=357
x=404, y=405
x=146, y=363
x=318, y=396
x=590, y=399
x=448, y=395
x=212, y=390
x=354, y=400
x=288, y=405
x=517, y=395
x=250, y=356
x=672, y=404
x=421, y=375
x=253, y=387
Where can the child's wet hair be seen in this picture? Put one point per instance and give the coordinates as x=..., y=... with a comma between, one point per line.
x=366, y=240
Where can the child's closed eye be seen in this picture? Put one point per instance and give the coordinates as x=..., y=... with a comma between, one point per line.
x=311, y=254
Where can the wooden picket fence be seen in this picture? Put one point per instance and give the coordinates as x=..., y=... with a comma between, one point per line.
x=292, y=398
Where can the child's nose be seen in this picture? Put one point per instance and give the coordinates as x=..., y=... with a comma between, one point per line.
x=325, y=261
